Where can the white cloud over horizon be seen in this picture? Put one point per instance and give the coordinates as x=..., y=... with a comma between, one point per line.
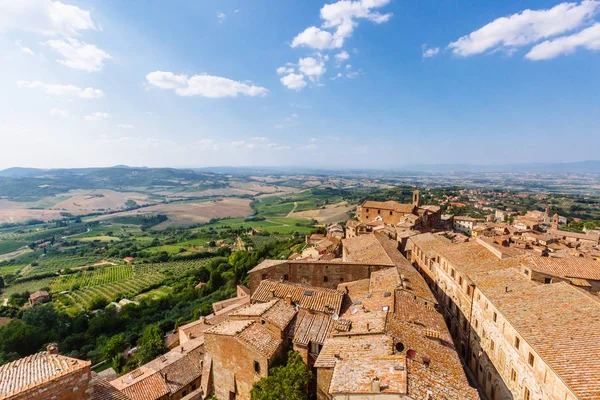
x=62, y=90
x=203, y=85
x=97, y=116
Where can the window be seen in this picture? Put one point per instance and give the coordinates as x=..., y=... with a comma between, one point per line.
x=517, y=342
x=185, y=392
x=492, y=346
x=325, y=279
x=452, y=273
x=194, y=386
x=513, y=375
x=478, y=297
x=256, y=367
x=527, y=394
x=341, y=279
x=391, y=213
x=476, y=324
x=378, y=212
x=460, y=281
x=285, y=277
x=531, y=359
x=547, y=280
x=264, y=276
x=495, y=317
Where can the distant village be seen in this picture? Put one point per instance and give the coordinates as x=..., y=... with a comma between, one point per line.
x=402, y=302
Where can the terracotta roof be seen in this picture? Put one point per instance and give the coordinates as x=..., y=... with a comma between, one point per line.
x=583, y=236
x=180, y=373
x=423, y=330
x=307, y=297
x=571, y=267
x=27, y=372
x=103, y=390
x=560, y=322
x=261, y=339
x=389, y=205
x=277, y=311
x=308, y=327
x=149, y=387
x=355, y=375
x=342, y=347
x=39, y=294
x=266, y=264
x=365, y=249
x=230, y=327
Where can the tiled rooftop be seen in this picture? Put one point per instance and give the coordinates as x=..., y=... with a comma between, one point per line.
x=559, y=321
x=307, y=297
x=388, y=205
x=365, y=249
x=31, y=371
x=571, y=267
x=261, y=339
x=355, y=375
x=310, y=327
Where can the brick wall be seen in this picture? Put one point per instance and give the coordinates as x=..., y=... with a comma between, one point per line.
x=315, y=274
x=74, y=386
x=324, y=376
x=233, y=366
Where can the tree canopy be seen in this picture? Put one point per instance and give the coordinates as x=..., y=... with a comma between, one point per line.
x=289, y=381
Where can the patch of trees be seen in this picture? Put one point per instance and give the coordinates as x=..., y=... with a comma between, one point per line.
x=288, y=381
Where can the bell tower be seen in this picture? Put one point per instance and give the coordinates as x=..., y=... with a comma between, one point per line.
x=555, y=221
x=416, y=198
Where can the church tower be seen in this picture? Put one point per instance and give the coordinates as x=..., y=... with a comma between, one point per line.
x=416, y=198
x=555, y=222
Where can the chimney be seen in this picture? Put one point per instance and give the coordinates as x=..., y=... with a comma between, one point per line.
x=368, y=326
x=375, y=385
x=52, y=348
x=288, y=299
x=272, y=293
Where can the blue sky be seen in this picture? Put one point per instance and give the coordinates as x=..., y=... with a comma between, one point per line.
x=363, y=83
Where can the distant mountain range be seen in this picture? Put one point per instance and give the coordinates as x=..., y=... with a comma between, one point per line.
x=590, y=167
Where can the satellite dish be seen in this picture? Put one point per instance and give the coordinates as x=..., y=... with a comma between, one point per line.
x=354, y=310
x=335, y=317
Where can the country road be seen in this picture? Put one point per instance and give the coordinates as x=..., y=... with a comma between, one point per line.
x=293, y=209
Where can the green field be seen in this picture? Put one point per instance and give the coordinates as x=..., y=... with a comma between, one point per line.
x=157, y=293
x=270, y=225
x=84, y=279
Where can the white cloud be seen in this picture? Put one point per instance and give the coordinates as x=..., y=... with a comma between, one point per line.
x=341, y=57
x=24, y=49
x=221, y=17
x=294, y=81
x=285, y=70
x=97, y=116
x=57, y=112
x=78, y=54
x=588, y=38
x=430, y=52
x=238, y=143
x=338, y=76
x=46, y=17
x=125, y=126
x=62, y=90
x=311, y=146
x=260, y=139
x=275, y=146
x=352, y=75
x=526, y=27
x=340, y=17
x=203, y=85
x=311, y=67
x=349, y=66
x=207, y=144
x=236, y=11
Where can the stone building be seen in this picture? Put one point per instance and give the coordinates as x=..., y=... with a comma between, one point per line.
x=464, y=224
x=46, y=375
x=520, y=338
x=41, y=296
x=172, y=376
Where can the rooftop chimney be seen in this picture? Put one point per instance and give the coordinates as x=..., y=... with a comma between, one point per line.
x=52, y=348
x=288, y=299
x=272, y=293
x=375, y=385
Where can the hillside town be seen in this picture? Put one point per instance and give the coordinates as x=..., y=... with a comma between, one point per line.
x=401, y=302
